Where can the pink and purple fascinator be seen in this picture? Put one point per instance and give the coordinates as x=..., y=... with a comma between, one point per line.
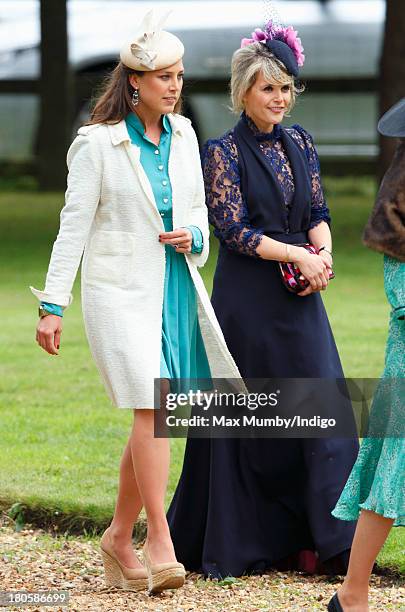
x=283, y=42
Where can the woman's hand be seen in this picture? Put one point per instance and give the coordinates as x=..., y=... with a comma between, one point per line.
x=49, y=329
x=314, y=269
x=327, y=258
x=180, y=239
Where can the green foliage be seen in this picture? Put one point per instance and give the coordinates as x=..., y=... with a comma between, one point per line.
x=16, y=512
x=61, y=440
x=229, y=581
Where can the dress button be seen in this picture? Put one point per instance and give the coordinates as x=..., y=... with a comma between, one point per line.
x=164, y=183
x=157, y=152
x=165, y=200
x=160, y=167
x=162, y=214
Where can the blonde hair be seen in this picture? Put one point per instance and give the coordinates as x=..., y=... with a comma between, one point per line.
x=247, y=63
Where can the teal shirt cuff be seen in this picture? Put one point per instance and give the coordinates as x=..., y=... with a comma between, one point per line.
x=54, y=309
x=198, y=242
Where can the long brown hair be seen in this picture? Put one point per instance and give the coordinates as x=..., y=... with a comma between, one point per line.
x=114, y=100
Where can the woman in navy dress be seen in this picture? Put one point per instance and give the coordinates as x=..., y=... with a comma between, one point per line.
x=245, y=505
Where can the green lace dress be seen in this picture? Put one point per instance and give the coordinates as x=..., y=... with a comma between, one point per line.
x=377, y=481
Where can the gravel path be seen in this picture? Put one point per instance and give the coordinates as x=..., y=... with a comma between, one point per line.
x=33, y=560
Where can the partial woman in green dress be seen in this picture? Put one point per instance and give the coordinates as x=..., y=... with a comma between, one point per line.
x=377, y=481
x=375, y=489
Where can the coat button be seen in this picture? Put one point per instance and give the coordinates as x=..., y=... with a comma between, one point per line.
x=165, y=200
x=164, y=183
x=157, y=152
x=287, y=230
x=160, y=167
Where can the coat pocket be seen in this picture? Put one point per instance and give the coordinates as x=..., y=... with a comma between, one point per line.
x=110, y=258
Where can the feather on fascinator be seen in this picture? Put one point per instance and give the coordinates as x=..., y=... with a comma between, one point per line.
x=152, y=48
x=283, y=42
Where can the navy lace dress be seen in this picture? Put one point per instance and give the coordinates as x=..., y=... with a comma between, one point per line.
x=244, y=505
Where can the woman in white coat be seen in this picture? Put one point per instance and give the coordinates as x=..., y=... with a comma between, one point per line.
x=134, y=175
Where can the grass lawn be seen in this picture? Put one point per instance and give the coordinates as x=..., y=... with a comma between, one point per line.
x=61, y=440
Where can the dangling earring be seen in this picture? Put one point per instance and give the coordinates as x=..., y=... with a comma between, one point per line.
x=135, y=97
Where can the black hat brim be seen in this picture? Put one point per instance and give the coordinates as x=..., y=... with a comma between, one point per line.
x=285, y=54
x=393, y=122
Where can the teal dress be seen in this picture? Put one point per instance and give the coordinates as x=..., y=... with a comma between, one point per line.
x=377, y=481
x=183, y=357
x=183, y=354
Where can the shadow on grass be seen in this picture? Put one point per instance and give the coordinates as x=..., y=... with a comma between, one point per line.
x=59, y=522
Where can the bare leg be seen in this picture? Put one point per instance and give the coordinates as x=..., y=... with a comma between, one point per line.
x=371, y=532
x=151, y=458
x=127, y=509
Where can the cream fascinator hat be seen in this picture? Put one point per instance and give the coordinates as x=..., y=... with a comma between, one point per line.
x=151, y=48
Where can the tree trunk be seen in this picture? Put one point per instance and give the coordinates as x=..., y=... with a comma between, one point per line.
x=392, y=72
x=55, y=96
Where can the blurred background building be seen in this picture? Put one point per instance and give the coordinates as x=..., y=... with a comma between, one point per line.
x=342, y=40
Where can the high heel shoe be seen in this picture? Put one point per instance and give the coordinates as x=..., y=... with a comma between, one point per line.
x=334, y=604
x=120, y=576
x=163, y=576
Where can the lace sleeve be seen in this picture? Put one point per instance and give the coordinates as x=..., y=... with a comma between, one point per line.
x=319, y=210
x=227, y=210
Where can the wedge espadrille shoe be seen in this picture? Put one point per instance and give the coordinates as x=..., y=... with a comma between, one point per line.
x=163, y=576
x=120, y=576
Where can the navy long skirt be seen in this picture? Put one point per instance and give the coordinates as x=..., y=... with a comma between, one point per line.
x=245, y=505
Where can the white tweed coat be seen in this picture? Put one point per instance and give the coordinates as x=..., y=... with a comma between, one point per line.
x=111, y=215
